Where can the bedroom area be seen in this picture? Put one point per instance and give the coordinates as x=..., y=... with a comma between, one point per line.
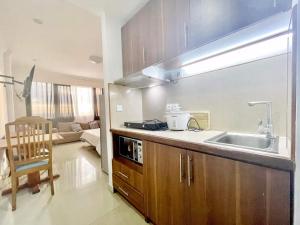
x=51, y=110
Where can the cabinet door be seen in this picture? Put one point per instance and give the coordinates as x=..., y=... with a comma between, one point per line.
x=127, y=49
x=175, y=27
x=262, y=196
x=251, y=11
x=229, y=192
x=213, y=19
x=211, y=194
x=165, y=192
x=137, y=27
x=152, y=32
x=210, y=20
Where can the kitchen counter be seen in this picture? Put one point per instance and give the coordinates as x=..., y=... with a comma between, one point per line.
x=195, y=141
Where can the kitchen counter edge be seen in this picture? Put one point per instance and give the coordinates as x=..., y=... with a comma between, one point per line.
x=274, y=162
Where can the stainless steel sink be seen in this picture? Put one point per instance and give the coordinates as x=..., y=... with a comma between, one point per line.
x=249, y=141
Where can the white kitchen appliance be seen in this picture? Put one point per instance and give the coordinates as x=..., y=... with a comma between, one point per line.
x=178, y=120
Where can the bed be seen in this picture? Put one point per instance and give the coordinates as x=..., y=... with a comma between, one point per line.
x=92, y=137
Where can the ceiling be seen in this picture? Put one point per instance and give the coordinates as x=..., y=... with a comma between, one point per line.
x=69, y=35
x=122, y=9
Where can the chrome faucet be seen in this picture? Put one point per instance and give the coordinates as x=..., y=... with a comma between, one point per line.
x=268, y=127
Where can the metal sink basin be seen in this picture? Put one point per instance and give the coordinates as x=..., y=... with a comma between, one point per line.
x=249, y=141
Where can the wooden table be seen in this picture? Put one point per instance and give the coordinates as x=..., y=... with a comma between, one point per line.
x=33, y=179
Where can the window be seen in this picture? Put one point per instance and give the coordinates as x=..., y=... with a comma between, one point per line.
x=42, y=100
x=83, y=104
x=63, y=102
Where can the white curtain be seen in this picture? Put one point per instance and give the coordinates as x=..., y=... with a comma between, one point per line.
x=42, y=100
x=83, y=103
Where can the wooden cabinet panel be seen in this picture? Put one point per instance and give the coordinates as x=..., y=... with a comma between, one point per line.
x=213, y=19
x=163, y=29
x=128, y=175
x=220, y=190
x=251, y=185
x=126, y=49
x=210, y=20
x=175, y=27
x=165, y=193
x=142, y=43
x=197, y=191
x=152, y=31
x=225, y=191
x=137, y=27
x=251, y=11
x=211, y=194
x=129, y=193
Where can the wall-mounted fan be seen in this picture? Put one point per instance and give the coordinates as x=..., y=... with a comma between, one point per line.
x=9, y=80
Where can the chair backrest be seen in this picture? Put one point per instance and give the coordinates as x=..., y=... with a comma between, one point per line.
x=29, y=139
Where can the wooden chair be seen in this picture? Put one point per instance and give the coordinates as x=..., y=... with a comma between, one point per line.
x=29, y=145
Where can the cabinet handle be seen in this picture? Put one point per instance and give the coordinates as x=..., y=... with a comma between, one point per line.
x=185, y=35
x=181, y=168
x=144, y=56
x=122, y=174
x=124, y=192
x=190, y=173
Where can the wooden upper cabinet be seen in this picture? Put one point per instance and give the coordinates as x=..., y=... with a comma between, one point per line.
x=165, y=197
x=175, y=27
x=153, y=33
x=213, y=19
x=164, y=29
x=210, y=20
x=142, y=43
x=138, y=58
x=127, y=49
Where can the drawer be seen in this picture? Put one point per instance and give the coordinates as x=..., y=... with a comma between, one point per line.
x=134, y=197
x=128, y=175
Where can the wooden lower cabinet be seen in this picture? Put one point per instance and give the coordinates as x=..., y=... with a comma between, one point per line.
x=165, y=200
x=191, y=188
x=129, y=193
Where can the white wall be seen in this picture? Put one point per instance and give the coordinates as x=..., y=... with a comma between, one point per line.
x=112, y=70
x=131, y=102
x=7, y=65
x=3, y=108
x=225, y=94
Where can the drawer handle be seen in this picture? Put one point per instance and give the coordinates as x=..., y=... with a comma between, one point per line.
x=123, y=175
x=124, y=192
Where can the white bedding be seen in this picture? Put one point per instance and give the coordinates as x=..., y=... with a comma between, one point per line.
x=93, y=137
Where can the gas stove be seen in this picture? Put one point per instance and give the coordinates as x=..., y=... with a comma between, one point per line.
x=147, y=125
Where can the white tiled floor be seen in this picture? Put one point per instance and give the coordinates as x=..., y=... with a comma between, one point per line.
x=81, y=195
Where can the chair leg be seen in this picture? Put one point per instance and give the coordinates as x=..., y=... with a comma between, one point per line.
x=17, y=183
x=14, y=192
x=50, y=174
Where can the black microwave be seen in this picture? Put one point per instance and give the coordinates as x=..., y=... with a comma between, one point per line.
x=131, y=149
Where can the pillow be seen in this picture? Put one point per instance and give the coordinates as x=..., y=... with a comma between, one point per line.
x=85, y=126
x=94, y=125
x=76, y=127
x=65, y=126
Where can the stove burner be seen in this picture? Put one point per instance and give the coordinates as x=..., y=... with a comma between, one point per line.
x=147, y=125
